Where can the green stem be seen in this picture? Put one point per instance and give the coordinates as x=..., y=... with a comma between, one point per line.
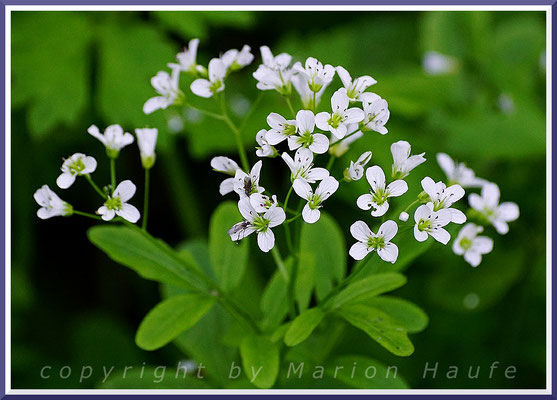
x=94, y=185
x=237, y=135
x=251, y=111
x=287, y=99
x=238, y=313
x=280, y=264
x=88, y=215
x=288, y=279
x=288, y=221
x=113, y=174
x=314, y=102
x=331, y=162
x=350, y=134
x=205, y=112
x=286, y=227
x=145, y=200
x=411, y=204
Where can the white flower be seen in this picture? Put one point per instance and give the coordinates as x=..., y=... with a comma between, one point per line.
x=403, y=216
x=341, y=116
x=77, y=164
x=367, y=241
x=341, y=146
x=354, y=88
x=326, y=188
x=429, y=222
x=255, y=222
x=246, y=185
x=488, y=205
x=310, y=100
x=166, y=86
x=458, y=172
x=379, y=194
x=147, y=140
x=443, y=197
x=403, y=162
x=317, y=76
x=117, y=203
x=264, y=149
x=435, y=63
x=215, y=84
x=226, y=166
x=114, y=138
x=472, y=246
x=274, y=73
x=305, y=123
x=301, y=166
x=376, y=112
x=281, y=128
x=261, y=203
x=235, y=60
x=51, y=204
x=187, y=58
x=356, y=169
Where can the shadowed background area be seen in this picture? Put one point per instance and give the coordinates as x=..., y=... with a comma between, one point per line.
x=72, y=306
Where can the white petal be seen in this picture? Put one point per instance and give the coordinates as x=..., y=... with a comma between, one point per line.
x=154, y=104
x=217, y=70
x=482, y=244
x=226, y=186
x=430, y=187
x=442, y=217
x=224, y=164
x=476, y=202
x=508, y=211
x=389, y=253
x=322, y=120
x=344, y=76
x=376, y=177
x=274, y=137
x=360, y=231
x=303, y=157
x=302, y=189
x=90, y=165
x=353, y=116
x=256, y=172
x=327, y=187
x=364, y=201
x=339, y=101
x=397, y=188
x=501, y=226
x=441, y=235
x=317, y=174
x=65, y=180
x=400, y=151
x=293, y=142
x=275, y=215
x=202, y=88
x=339, y=132
x=129, y=213
x=106, y=214
x=320, y=144
x=258, y=201
x=379, y=210
x=420, y=236
x=289, y=161
x=490, y=194
x=473, y=258
x=457, y=216
x=305, y=121
x=359, y=250
x=423, y=212
x=246, y=209
x=266, y=240
x=388, y=230
x=447, y=164
x=240, y=231
x=310, y=215
x=125, y=190
x=452, y=194
x=276, y=121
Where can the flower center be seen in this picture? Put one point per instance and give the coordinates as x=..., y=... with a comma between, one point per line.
x=113, y=203
x=377, y=242
x=289, y=130
x=424, y=225
x=216, y=85
x=261, y=224
x=379, y=197
x=306, y=139
x=465, y=243
x=315, y=202
x=77, y=166
x=335, y=120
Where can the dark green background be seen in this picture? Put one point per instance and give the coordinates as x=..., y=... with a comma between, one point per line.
x=72, y=306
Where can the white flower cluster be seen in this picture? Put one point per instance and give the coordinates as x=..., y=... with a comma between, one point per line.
x=209, y=81
x=115, y=197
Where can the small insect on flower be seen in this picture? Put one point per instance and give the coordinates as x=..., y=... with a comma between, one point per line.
x=377, y=198
x=341, y=116
x=488, y=206
x=240, y=230
x=246, y=185
x=51, y=204
x=472, y=246
x=76, y=165
x=215, y=84
x=443, y=197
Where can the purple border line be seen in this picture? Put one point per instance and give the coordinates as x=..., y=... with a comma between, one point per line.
x=250, y=2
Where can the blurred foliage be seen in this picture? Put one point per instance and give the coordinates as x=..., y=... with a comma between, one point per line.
x=73, y=69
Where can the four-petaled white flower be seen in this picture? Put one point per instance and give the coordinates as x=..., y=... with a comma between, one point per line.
x=234, y=60
x=215, y=84
x=354, y=88
x=488, y=205
x=443, y=197
x=403, y=162
x=316, y=75
x=376, y=112
x=246, y=185
x=261, y=202
x=367, y=241
x=187, y=58
x=472, y=246
x=117, y=204
x=379, y=194
x=429, y=222
x=301, y=167
x=356, y=169
x=166, y=85
x=77, y=164
x=147, y=140
x=341, y=115
x=265, y=149
x=281, y=128
x=305, y=124
x=114, y=138
x=226, y=166
x=256, y=222
x=458, y=172
x=51, y=204
x=326, y=188
x=274, y=73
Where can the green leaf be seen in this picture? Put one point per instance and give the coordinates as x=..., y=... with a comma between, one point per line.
x=305, y=280
x=402, y=312
x=379, y=326
x=361, y=372
x=260, y=359
x=150, y=377
x=151, y=258
x=367, y=288
x=274, y=303
x=303, y=325
x=324, y=240
x=228, y=258
x=170, y=318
